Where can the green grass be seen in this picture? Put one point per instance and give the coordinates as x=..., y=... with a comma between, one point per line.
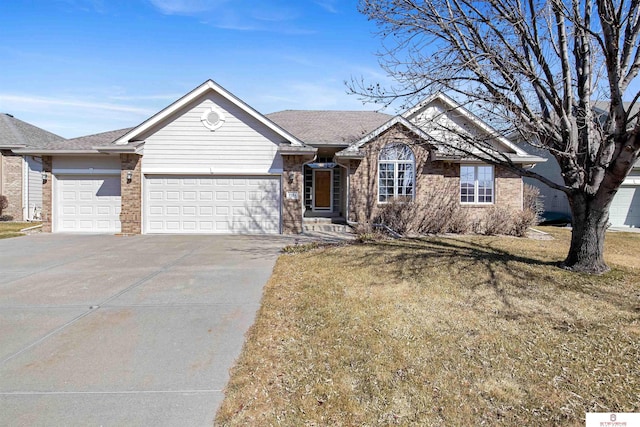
x=12, y=229
x=441, y=331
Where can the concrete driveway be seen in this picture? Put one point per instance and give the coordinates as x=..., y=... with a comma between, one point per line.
x=107, y=330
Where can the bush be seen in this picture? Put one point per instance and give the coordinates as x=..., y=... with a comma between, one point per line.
x=4, y=203
x=496, y=220
x=441, y=214
x=6, y=218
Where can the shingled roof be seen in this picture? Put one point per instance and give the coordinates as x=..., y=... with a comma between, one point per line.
x=328, y=127
x=103, y=139
x=16, y=133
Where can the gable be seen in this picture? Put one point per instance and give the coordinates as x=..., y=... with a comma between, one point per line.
x=443, y=120
x=186, y=142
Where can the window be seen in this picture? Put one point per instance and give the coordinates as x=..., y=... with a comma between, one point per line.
x=476, y=184
x=396, y=165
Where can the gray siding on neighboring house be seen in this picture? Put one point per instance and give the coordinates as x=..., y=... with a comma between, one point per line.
x=184, y=145
x=34, y=187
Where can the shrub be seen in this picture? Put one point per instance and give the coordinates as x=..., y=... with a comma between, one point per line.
x=6, y=218
x=4, y=203
x=496, y=220
x=441, y=214
x=533, y=201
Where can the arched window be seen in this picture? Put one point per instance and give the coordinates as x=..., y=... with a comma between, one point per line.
x=396, y=173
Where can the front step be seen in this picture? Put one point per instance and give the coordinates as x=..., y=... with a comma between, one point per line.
x=331, y=225
x=327, y=228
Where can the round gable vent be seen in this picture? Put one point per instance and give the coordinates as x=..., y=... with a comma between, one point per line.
x=212, y=118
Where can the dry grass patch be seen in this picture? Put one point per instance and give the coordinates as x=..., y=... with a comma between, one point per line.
x=441, y=331
x=12, y=229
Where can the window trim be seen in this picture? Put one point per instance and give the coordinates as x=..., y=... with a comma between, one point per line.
x=397, y=162
x=476, y=186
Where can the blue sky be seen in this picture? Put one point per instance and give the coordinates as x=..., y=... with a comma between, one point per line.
x=76, y=67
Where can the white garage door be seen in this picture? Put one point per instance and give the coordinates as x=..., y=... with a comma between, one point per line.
x=205, y=204
x=89, y=204
x=625, y=208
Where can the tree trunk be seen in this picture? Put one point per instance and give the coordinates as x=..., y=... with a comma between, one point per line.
x=590, y=220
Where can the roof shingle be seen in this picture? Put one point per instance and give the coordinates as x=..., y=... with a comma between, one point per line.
x=328, y=127
x=15, y=132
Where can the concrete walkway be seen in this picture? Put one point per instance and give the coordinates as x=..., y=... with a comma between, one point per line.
x=111, y=331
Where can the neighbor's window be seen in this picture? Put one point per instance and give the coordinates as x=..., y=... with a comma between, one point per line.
x=476, y=184
x=396, y=165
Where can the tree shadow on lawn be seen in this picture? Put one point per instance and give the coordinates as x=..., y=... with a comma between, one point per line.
x=522, y=287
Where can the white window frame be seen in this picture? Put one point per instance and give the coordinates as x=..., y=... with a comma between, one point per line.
x=397, y=162
x=476, y=185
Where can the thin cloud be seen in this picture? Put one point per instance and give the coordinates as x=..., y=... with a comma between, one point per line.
x=170, y=97
x=186, y=7
x=328, y=5
x=238, y=15
x=30, y=102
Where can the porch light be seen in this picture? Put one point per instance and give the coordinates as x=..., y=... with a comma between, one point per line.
x=129, y=176
x=291, y=176
x=45, y=177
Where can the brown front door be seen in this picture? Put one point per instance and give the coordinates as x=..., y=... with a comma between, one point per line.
x=322, y=189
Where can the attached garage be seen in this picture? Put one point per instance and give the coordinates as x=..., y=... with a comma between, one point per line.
x=87, y=203
x=211, y=204
x=625, y=208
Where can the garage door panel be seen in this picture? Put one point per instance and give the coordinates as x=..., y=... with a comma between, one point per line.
x=88, y=203
x=212, y=204
x=625, y=207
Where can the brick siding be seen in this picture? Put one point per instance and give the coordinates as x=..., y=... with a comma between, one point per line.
x=47, y=195
x=292, y=208
x=432, y=178
x=131, y=194
x=12, y=184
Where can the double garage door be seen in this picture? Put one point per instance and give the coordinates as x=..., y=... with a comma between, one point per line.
x=172, y=204
x=205, y=204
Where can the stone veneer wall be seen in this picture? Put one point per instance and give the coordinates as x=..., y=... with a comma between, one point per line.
x=292, y=208
x=432, y=177
x=131, y=194
x=11, y=181
x=47, y=195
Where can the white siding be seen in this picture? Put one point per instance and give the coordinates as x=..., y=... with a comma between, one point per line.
x=76, y=164
x=184, y=145
x=34, y=187
x=441, y=123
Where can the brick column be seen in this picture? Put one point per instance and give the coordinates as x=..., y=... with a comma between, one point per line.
x=12, y=184
x=292, y=208
x=131, y=194
x=47, y=196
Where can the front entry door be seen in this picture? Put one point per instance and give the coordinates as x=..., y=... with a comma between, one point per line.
x=322, y=189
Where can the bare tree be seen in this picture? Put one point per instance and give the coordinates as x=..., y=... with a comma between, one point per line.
x=532, y=68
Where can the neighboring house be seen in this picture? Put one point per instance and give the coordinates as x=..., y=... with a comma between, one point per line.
x=624, y=211
x=21, y=175
x=209, y=163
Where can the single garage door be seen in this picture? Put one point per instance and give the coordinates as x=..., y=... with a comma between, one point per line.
x=89, y=204
x=625, y=208
x=207, y=204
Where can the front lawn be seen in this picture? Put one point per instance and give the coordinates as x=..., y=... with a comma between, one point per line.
x=12, y=229
x=441, y=331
